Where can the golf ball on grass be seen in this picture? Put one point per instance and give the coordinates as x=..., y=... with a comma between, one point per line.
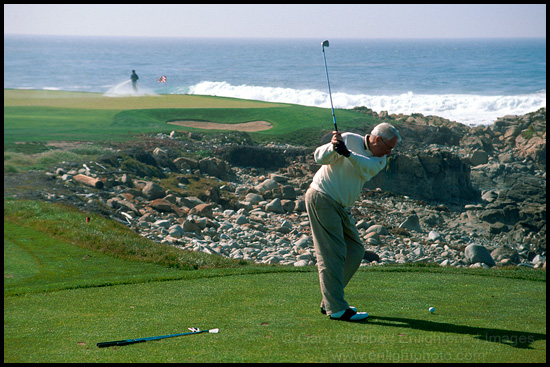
x=431, y=309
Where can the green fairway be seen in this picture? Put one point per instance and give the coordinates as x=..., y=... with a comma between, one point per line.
x=38, y=116
x=98, y=101
x=67, y=288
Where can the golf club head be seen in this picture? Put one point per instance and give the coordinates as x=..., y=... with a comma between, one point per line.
x=325, y=43
x=213, y=331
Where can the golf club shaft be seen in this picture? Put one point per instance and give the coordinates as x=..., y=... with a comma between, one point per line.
x=141, y=340
x=328, y=82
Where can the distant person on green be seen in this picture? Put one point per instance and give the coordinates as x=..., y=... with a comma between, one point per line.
x=134, y=77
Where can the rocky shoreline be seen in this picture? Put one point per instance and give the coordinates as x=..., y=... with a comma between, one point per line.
x=451, y=195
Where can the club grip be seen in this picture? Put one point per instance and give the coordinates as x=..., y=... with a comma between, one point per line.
x=118, y=343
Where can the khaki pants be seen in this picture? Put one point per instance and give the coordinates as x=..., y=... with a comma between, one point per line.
x=338, y=247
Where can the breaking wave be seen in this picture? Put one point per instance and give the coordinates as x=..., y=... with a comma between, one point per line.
x=468, y=109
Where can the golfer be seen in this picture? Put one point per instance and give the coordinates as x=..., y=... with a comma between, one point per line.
x=347, y=162
x=134, y=77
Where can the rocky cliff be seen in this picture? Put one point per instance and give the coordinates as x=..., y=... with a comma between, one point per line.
x=446, y=188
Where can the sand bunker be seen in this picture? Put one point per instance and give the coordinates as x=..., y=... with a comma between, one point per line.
x=251, y=126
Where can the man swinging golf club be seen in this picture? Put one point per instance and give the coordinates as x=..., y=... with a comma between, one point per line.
x=347, y=162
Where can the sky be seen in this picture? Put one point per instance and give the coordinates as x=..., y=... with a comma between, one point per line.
x=279, y=20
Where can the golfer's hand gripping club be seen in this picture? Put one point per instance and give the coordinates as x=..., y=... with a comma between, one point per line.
x=339, y=145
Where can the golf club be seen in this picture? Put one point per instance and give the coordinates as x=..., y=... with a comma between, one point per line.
x=141, y=340
x=325, y=44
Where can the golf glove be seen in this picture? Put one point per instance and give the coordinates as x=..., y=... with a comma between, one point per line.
x=341, y=149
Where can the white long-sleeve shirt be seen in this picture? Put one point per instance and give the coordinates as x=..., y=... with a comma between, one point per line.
x=343, y=178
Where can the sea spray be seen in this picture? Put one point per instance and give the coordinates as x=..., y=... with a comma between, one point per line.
x=468, y=109
x=125, y=89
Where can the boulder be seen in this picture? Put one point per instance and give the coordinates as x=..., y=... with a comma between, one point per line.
x=203, y=210
x=186, y=163
x=427, y=175
x=505, y=253
x=475, y=253
x=288, y=192
x=190, y=225
x=161, y=205
x=176, y=231
x=266, y=186
x=379, y=229
x=534, y=149
x=153, y=191
x=215, y=167
x=164, y=223
x=479, y=157
x=412, y=222
x=253, y=198
x=371, y=256
x=434, y=236
x=275, y=206
x=288, y=205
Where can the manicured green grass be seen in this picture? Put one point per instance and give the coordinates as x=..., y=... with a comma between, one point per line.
x=26, y=124
x=66, y=224
x=274, y=317
x=31, y=116
x=38, y=263
x=85, y=100
x=63, y=294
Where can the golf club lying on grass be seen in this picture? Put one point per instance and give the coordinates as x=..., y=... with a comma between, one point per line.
x=141, y=340
x=325, y=44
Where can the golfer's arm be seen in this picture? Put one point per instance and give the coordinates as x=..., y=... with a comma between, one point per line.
x=368, y=167
x=325, y=154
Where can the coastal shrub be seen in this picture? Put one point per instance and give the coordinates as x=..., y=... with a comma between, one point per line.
x=55, y=156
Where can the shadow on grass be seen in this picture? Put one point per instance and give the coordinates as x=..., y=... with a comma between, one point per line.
x=516, y=339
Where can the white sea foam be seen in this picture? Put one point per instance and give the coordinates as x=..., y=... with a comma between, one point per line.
x=465, y=108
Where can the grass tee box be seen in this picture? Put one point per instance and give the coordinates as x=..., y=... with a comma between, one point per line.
x=69, y=284
x=262, y=321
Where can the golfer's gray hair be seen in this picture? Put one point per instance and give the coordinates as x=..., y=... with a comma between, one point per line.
x=386, y=131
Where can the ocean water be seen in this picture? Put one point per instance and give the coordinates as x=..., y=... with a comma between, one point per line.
x=469, y=81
